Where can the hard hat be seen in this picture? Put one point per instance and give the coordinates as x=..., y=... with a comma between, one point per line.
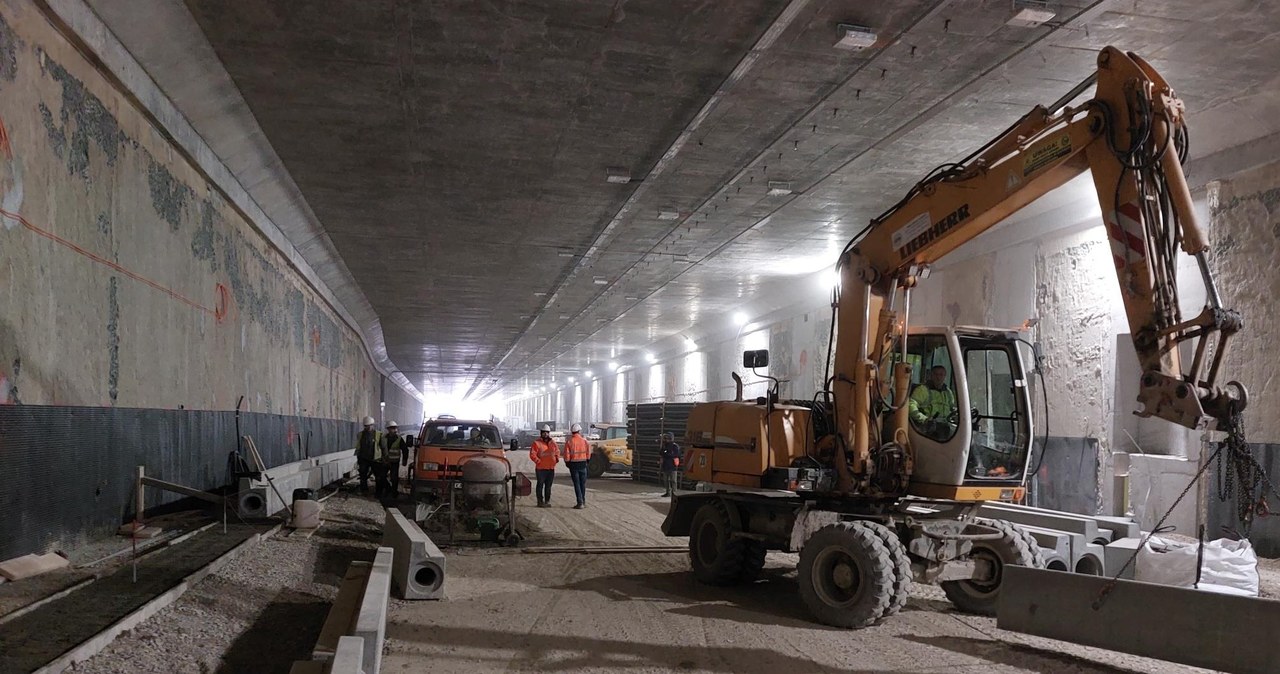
x=668, y=436
x=545, y=428
x=392, y=424
x=576, y=428
x=368, y=421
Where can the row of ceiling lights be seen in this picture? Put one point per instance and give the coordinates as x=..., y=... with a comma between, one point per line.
x=740, y=319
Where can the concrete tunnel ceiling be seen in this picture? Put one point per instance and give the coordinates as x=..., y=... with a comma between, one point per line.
x=456, y=153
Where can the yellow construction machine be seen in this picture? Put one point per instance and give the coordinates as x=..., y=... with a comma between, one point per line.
x=876, y=481
x=609, y=452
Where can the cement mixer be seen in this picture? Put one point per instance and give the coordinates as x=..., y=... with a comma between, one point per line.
x=483, y=500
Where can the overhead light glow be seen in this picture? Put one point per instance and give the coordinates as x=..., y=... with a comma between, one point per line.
x=650, y=357
x=613, y=367
x=587, y=374
x=740, y=318
x=571, y=380
x=828, y=279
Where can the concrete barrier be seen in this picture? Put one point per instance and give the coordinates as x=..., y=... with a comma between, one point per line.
x=349, y=658
x=1117, y=553
x=258, y=499
x=419, y=566
x=371, y=617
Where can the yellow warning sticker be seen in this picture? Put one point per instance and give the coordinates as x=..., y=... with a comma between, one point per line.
x=1046, y=153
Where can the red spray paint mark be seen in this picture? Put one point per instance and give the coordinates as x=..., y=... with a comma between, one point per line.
x=6, y=150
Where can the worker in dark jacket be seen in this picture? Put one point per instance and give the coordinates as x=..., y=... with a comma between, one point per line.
x=367, y=448
x=671, y=454
x=393, y=455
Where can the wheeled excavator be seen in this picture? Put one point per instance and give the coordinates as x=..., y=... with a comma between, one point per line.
x=876, y=481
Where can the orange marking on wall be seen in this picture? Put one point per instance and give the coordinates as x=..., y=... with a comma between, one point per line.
x=105, y=262
x=6, y=150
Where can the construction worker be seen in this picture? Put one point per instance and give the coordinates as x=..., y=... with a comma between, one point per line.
x=671, y=455
x=933, y=406
x=393, y=455
x=544, y=453
x=577, y=453
x=367, y=448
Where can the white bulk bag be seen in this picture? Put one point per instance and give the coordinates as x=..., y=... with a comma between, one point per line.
x=1229, y=567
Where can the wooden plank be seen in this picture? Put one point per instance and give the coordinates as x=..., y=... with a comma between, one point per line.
x=31, y=565
x=181, y=489
x=342, y=615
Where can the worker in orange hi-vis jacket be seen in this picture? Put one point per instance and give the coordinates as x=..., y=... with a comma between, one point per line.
x=577, y=453
x=544, y=453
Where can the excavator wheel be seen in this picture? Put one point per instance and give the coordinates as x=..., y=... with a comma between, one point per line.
x=846, y=574
x=902, y=576
x=597, y=465
x=981, y=597
x=717, y=557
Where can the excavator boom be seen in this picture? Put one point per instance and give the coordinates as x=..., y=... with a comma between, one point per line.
x=1131, y=137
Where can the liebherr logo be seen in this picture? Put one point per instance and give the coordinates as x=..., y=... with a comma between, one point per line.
x=938, y=229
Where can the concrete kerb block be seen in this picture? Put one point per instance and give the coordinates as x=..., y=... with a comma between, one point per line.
x=1091, y=560
x=1048, y=519
x=371, y=618
x=1054, y=561
x=419, y=566
x=254, y=501
x=349, y=658
x=1117, y=553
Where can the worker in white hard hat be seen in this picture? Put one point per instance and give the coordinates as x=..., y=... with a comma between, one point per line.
x=577, y=454
x=544, y=453
x=392, y=455
x=368, y=442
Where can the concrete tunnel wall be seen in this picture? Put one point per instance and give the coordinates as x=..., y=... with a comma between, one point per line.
x=1054, y=267
x=129, y=280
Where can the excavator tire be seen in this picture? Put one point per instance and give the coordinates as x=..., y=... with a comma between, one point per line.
x=847, y=575
x=1012, y=548
x=902, y=576
x=597, y=465
x=717, y=557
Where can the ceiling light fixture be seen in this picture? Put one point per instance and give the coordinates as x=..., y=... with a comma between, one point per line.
x=668, y=215
x=571, y=380
x=617, y=175
x=779, y=188
x=854, y=37
x=650, y=357
x=600, y=280
x=587, y=374
x=566, y=253
x=740, y=318
x=613, y=366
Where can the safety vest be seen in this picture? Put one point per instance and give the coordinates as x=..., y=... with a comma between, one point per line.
x=392, y=448
x=576, y=448
x=544, y=454
x=929, y=403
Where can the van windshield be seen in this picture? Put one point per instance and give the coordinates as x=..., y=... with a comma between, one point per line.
x=463, y=436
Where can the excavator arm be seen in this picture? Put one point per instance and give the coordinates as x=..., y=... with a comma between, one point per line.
x=1131, y=137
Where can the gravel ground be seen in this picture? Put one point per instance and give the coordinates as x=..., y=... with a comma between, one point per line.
x=259, y=614
x=509, y=611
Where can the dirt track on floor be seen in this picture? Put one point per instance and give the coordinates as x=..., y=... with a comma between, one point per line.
x=511, y=611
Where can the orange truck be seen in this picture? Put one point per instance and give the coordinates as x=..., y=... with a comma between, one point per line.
x=443, y=445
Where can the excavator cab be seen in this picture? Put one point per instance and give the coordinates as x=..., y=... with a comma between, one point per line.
x=970, y=412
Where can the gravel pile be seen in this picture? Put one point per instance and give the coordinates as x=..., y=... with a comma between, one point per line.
x=261, y=612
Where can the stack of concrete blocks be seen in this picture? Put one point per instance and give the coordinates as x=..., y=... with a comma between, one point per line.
x=418, y=569
x=1087, y=535
x=353, y=633
x=258, y=499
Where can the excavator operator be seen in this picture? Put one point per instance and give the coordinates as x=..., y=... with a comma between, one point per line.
x=933, y=406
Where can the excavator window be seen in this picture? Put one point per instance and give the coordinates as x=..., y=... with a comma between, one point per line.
x=933, y=398
x=998, y=446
